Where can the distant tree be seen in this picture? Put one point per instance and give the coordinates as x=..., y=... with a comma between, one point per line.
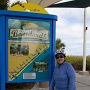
x=59, y=44
x=3, y=4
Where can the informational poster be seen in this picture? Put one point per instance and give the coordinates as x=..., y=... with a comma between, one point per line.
x=28, y=50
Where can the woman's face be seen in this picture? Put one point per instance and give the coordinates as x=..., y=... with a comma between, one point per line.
x=60, y=58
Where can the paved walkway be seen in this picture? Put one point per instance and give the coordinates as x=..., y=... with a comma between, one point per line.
x=82, y=82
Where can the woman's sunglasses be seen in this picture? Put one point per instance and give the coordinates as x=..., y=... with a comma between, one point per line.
x=59, y=57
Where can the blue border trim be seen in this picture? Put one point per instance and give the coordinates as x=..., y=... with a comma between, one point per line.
x=6, y=49
x=2, y=52
x=54, y=44
x=53, y=47
x=27, y=14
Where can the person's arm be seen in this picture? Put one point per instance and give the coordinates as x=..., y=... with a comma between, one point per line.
x=71, y=77
x=52, y=83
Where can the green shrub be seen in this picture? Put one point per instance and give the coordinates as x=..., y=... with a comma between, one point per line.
x=77, y=62
x=3, y=5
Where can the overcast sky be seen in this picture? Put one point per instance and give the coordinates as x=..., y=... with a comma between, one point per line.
x=69, y=28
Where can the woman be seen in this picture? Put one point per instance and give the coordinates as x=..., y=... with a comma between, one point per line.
x=64, y=75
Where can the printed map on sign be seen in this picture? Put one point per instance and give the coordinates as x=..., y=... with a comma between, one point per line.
x=28, y=49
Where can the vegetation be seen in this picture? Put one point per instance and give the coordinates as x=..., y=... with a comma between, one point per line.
x=77, y=62
x=59, y=44
x=3, y=4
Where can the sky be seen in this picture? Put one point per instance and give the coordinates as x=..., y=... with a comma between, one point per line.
x=70, y=28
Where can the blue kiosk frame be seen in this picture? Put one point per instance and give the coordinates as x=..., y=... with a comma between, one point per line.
x=7, y=17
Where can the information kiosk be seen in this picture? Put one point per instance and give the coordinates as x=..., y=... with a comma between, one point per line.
x=27, y=47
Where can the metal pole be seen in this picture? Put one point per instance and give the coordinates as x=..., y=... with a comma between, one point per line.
x=84, y=42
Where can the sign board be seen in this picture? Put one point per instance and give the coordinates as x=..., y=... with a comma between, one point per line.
x=27, y=47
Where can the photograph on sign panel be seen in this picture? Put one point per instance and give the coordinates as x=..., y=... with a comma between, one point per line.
x=19, y=50
x=40, y=66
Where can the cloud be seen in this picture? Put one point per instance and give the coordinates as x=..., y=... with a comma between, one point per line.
x=70, y=28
